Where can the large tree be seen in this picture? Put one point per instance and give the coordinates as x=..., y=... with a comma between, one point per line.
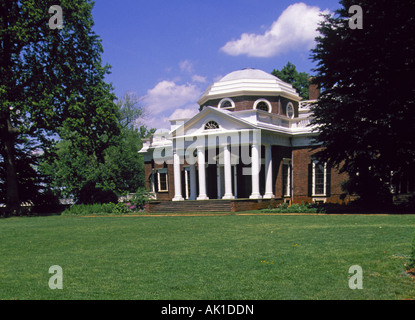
x=366, y=111
x=75, y=172
x=51, y=83
x=299, y=80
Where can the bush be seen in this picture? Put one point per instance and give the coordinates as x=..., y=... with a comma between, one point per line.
x=139, y=199
x=98, y=209
x=91, y=194
x=294, y=208
x=89, y=209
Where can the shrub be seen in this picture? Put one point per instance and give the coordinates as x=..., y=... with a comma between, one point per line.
x=294, y=208
x=97, y=209
x=91, y=194
x=139, y=199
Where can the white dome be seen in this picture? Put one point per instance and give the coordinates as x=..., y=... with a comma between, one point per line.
x=248, y=74
x=249, y=82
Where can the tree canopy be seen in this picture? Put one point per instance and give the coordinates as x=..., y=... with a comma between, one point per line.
x=366, y=111
x=74, y=171
x=51, y=84
x=299, y=80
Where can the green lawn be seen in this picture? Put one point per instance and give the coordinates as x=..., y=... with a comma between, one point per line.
x=206, y=257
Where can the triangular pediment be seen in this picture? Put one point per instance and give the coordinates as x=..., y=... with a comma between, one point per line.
x=224, y=118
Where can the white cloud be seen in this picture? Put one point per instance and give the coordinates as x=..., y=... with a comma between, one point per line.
x=186, y=66
x=162, y=121
x=167, y=96
x=295, y=29
x=197, y=78
x=169, y=100
x=185, y=113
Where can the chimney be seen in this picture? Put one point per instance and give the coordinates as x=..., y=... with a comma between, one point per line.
x=313, y=90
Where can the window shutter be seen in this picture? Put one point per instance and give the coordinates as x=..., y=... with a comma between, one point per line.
x=156, y=182
x=328, y=181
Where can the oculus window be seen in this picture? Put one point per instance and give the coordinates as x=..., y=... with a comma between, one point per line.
x=290, y=110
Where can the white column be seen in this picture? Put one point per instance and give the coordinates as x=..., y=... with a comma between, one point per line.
x=255, y=171
x=202, y=174
x=177, y=178
x=268, y=173
x=192, y=172
x=227, y=173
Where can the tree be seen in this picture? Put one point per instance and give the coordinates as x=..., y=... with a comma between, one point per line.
x=52, y=84
x=299, y=80
x=366, y=111
x=75, y=172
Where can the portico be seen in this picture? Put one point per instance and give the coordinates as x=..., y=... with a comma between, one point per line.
x=225, y=165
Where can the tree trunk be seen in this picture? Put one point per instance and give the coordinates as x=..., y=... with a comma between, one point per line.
x=8, y=134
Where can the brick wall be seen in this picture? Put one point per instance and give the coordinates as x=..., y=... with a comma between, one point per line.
x=247, y=103
x=165, y=195
x=313, y=92
x=302, y=158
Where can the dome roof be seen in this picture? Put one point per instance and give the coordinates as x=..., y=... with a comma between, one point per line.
x=248, y=73
x=249, y=82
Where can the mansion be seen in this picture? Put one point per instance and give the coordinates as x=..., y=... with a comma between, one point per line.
x=251, y=140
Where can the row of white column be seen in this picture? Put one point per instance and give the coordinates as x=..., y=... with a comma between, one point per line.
x=201, y=158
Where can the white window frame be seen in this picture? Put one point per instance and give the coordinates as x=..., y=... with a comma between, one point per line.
x=224, y=100
x=211, y=120
x=263, y=100
x=313, y=189
x=164, y=170
x=287, y=163
x=290, y=104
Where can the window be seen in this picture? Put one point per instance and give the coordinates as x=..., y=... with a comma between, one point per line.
x=286, y=178
x=290, y=110
x=263, y=105
x=404, y=182
x=226, y=103
x=162, y=178
x=319, y=178
x=211, y=125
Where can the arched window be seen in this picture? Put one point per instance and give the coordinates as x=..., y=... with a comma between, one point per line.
x=226, y=103
x=263, y=105
x=290, y=110
x=211, y=125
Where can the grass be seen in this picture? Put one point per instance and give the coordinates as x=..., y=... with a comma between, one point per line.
x=207, y=257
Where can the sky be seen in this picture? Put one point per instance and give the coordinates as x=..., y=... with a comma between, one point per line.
x=168, y=52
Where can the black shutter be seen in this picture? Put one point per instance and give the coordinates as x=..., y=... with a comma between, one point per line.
x=328, y=181
x=310, y=179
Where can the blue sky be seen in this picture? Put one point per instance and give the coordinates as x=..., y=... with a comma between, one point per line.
x=168, y=52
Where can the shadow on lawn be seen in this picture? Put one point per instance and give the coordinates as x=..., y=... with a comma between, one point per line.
x=359, y=207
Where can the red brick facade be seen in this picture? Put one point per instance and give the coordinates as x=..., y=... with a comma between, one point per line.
x=278, y=104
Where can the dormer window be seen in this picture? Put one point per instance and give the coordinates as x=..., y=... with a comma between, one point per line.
x=226, y=103
x=263, y=105
x=290, y=110
x=211, y=125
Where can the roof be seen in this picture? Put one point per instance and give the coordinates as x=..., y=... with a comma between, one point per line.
x=249, y=82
